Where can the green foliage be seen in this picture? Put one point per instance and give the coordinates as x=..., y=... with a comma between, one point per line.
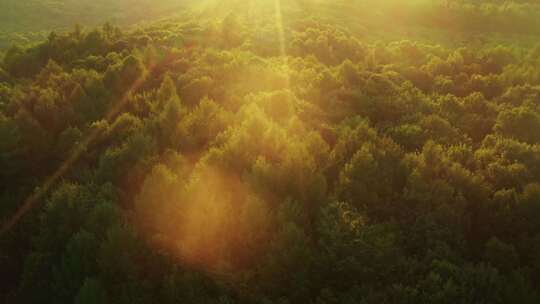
x=124, y=76
x=226, y=157
x=518, y=122
x=91, y=292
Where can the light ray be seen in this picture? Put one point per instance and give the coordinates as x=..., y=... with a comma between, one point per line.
x=31, y=201
x=281, y=37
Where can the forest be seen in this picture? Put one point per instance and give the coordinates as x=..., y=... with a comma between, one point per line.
x=267, y=151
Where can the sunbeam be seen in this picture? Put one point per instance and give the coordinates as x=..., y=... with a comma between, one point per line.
x=66, y=165
x=281, y=36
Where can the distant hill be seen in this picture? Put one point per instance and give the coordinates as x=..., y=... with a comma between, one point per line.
x=25, y=22
x=30, y=20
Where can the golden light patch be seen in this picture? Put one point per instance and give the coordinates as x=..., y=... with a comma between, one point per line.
x=216, y=222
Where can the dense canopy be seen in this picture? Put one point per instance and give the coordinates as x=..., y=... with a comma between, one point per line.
x=252, y=152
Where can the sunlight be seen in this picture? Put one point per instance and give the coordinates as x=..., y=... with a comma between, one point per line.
x=71, y=160
x=269, y=151
x=279, y=26
x=214, y=219
x=281, y=37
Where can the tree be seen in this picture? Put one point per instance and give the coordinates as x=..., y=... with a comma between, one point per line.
x=123, y=77
x=91, y=292
x=516, y=123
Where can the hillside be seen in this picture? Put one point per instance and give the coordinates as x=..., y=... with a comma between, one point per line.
x=258, y=151
x=28, y=21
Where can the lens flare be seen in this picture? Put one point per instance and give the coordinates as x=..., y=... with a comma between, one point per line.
x=214, y=221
